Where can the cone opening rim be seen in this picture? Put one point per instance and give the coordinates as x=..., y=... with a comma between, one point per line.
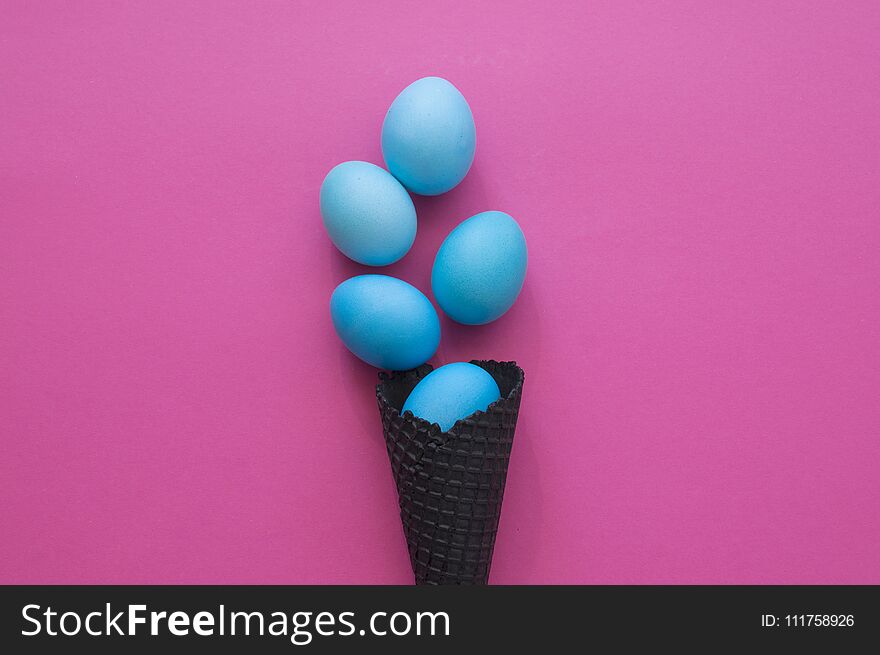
x=423, y=370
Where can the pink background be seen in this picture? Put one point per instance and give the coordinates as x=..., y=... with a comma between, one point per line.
x=698, y=183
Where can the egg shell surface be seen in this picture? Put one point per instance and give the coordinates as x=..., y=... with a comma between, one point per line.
x=451, y=393
x=480, y=268
x=385, y=321
x=367, y=213
x=428, y=137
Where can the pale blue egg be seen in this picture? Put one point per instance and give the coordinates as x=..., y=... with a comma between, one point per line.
x=451, y=393
x=480, y=268
x=428, y=137
x=367, y=213
x=385, y=321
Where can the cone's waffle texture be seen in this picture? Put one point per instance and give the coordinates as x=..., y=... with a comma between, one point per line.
x=450, y=484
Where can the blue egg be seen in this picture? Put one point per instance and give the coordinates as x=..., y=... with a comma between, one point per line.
x=452, y=392
x=428, y=137
x=367, y=213
x=480, y=268
x=385, y=321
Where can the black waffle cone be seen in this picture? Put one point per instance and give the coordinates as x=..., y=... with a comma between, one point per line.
x=450, y=484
